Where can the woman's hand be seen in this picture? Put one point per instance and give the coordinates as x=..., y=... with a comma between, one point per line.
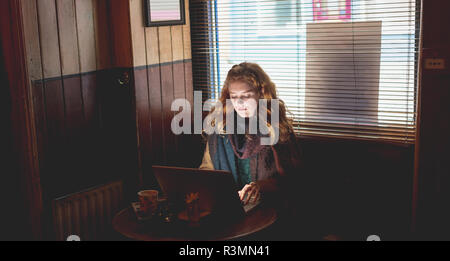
x=251, y=191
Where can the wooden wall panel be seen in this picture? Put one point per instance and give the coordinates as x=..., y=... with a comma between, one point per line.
x=92, y=128
x=73, y=102
x=75, y=170
x=90, y=99
x=187, y=34
x=53, y=176
x=168, y=52
x=22, y=190
x=143, y=120
x=67, y=29
x=188, y=82
x=137, y=33
x=49, y=41
x=154, y=83
x=152, y=45
x=177, y=43
x=179, y=80
x=102, y=34
x=120, y=34
x=69, y=43
x=167, y=115
x=40, y=120
x=167, y=90
x=62, y=38
x=165, y=44
x=188, y=56
x=32, y=46
x=53, y=173
x=86, y=35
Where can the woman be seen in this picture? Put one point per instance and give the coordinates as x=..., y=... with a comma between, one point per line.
x=259, y=170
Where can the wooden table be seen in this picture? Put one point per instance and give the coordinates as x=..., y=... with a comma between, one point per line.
x=126, y=223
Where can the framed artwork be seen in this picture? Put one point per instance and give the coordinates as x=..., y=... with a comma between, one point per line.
x=164, y=12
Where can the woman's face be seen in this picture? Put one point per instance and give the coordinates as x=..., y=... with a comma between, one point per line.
x=243, y=98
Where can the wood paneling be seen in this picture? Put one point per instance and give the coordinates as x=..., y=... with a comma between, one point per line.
x=167, y=96
x=188, y=82
x=67, y=29
x=40, y=120
x=90, y=100
x=187, y=34
x=84, y=118
x=154, y=83
x=179, y=80
x=177, y=43
x=32, y=46
x=165, y=44
x=143, y=119
x=25, y=201
x=56, y=133
x=86, y=35
x=152, y=42
x=120, y=34
x=187, y=56
x=102, y=34
x=73, y=105
x=137, y=33
x=49, y=41
x=66, y=42
x=74, y=168
x=167, y=52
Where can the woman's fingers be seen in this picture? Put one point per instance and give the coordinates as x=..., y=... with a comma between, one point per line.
x=243, y=192
x=258, y=195
x=252, y=193
x=248, y=192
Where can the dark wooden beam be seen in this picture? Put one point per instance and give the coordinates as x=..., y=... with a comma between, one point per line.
x=22, y=115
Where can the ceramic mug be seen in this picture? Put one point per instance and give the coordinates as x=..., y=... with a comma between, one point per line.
x=148, y=201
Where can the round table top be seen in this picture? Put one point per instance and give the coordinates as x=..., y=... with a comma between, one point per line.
x=126, y=223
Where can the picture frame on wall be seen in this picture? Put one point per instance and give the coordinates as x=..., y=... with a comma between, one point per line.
x=164, y=12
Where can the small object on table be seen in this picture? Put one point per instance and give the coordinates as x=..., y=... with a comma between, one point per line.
x=192, y=208
x=165, y=213
x=149, y=201
x=162, y=213
x=140, y=214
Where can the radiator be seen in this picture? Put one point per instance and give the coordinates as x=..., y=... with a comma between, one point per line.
x=87, y=214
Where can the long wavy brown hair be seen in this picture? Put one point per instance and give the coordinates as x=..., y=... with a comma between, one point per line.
x=253, y=75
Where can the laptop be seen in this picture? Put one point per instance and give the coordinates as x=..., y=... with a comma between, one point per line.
x=217, y=190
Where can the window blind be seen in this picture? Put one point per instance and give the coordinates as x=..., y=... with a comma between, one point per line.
x=344, y=68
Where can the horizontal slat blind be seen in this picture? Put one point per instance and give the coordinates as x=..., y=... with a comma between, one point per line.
x=345, y=68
